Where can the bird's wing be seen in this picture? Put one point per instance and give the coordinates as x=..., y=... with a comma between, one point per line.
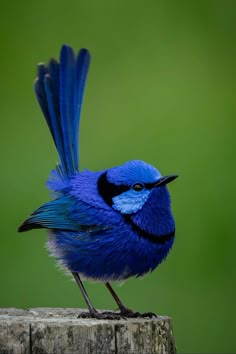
x=67, y=213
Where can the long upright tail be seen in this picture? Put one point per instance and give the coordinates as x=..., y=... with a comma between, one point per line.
x=59, y=88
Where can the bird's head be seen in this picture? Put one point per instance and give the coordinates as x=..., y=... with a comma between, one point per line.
x=127, y=188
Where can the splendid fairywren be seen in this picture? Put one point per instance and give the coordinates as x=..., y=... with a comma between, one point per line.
x=107, y=225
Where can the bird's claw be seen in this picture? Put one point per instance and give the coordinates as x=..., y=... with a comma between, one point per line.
x=123, y=314
x=127, y=313
x=106, y=315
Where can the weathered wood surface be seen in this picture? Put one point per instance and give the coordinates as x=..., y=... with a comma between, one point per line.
x=59, y=331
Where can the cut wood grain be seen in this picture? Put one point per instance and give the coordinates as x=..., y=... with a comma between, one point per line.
x=59, y=331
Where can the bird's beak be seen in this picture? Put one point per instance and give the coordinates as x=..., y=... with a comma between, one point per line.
x=165, y=179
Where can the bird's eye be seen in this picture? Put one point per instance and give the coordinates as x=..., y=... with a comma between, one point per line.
x=138, y=187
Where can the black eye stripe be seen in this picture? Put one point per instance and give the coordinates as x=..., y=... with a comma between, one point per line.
x=108, y=190
x=150, y=185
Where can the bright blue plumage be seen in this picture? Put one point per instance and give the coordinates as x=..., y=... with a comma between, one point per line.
x=106, y=225
x=59, y=89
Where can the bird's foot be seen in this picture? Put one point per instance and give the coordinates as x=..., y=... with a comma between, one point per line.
x=106, y=315
x=109, y=315
x=127, y=313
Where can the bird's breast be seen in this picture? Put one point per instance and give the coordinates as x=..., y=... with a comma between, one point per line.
x=131, y=246
x=155, y=218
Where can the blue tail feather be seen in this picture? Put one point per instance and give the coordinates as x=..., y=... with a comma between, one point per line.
x=59, y=89
x=67, y=73
x=40, y=93
x=81, y=70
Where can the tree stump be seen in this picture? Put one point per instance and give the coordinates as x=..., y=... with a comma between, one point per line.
x=59, y=331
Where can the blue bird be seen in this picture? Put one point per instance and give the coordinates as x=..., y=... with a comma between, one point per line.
x=108, y=225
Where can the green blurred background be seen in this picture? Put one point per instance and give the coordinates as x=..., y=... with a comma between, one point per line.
x=161, y=88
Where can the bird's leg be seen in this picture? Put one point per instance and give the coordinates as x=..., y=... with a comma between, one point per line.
x=91, y=308
x=124, y=311
x=122, y=307
x=92, y=311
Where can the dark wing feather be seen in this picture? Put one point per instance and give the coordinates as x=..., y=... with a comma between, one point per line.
x=66, y=213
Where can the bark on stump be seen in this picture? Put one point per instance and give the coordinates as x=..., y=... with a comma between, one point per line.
x=59, y=331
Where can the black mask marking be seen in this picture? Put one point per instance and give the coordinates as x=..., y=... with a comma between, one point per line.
x=108, y=190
